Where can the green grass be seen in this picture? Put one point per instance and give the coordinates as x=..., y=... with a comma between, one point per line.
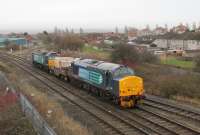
x=91, y=49
x=88, y=49
x=178, y=63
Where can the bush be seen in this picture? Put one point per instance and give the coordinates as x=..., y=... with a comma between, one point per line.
x=125, y=53
x=148, y=57
x=186, y=86
x=45, y=37
x=197, y=61
x=69, y=41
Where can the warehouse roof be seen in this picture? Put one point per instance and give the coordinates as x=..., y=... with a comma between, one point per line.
x=184, y=36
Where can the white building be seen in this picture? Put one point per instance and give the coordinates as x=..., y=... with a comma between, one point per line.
x=160, y=31
x=177, y=44
x=144, y=32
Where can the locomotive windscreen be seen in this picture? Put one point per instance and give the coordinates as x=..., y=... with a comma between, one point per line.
x=123, y=71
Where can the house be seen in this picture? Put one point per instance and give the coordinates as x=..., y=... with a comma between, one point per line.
x=198, y=29
x=160, y=31
x=132, y=34
x=145, y=32
x=177, y=44
x=180, y=29
x=29, y=39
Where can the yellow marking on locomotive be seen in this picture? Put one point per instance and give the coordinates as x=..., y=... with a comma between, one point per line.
x=131, y=86
x=51, y=63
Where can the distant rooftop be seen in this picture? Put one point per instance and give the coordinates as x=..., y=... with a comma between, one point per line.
x=183, y=36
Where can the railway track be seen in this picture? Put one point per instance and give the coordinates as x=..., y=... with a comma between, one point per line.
x=141, y=121
x=163, y=120
x=112, y=123
x=158, y=103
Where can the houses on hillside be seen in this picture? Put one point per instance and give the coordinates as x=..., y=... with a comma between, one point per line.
x=157, y=31
x=160, y=31
x=132, y=34
x=180, y=29
x=144, y=32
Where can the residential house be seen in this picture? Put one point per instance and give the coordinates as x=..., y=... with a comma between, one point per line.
x=144, y=32
x=179, y=29
x=132, y=34
x=160, y=31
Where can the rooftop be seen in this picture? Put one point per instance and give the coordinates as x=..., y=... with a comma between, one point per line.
x=184, y=36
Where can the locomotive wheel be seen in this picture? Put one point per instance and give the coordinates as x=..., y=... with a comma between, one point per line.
x=100, y=94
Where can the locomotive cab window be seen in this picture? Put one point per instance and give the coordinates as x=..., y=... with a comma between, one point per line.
x=123, y=71
x=108, y=79
x=53, y=55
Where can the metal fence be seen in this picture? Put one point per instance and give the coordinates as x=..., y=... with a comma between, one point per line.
x=37, y=121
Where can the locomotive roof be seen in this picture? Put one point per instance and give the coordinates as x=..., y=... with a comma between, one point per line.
x=97, y=64
x=50, y=53
x=44, y=53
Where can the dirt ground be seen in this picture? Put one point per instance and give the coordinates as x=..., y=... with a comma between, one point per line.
x=12, y=120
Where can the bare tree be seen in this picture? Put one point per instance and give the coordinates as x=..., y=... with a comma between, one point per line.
x=194, y=26
x=116, y=30
x=66, y=30
x=81, y=31
x=126, y=30
x=72, y=31
x=148, y=27
x=55, y=30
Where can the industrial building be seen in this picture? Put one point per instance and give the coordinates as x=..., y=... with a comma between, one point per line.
x=14, y=41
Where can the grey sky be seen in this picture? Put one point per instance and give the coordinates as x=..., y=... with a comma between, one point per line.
x=26, y=15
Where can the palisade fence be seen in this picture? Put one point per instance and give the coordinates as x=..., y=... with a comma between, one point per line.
x=37, y=121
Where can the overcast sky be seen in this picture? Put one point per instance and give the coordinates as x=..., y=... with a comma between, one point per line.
x=37, y=15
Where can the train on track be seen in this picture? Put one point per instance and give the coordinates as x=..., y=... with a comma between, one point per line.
x=105, y=79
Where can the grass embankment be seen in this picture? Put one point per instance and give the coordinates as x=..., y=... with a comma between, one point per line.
x=171, y=82
x=177, y=63
x=12, y=120
x=53, y=113
x=99, y=53
x=88, y=52
x=49, y=108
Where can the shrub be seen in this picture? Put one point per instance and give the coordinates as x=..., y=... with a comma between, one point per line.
x=185, y=85
x=148, y=57
x=69, y=41
x=124, y=53
x=197, y=61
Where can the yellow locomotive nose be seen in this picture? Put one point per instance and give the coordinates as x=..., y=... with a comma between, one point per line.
x=130, y=91
x=131, y=86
